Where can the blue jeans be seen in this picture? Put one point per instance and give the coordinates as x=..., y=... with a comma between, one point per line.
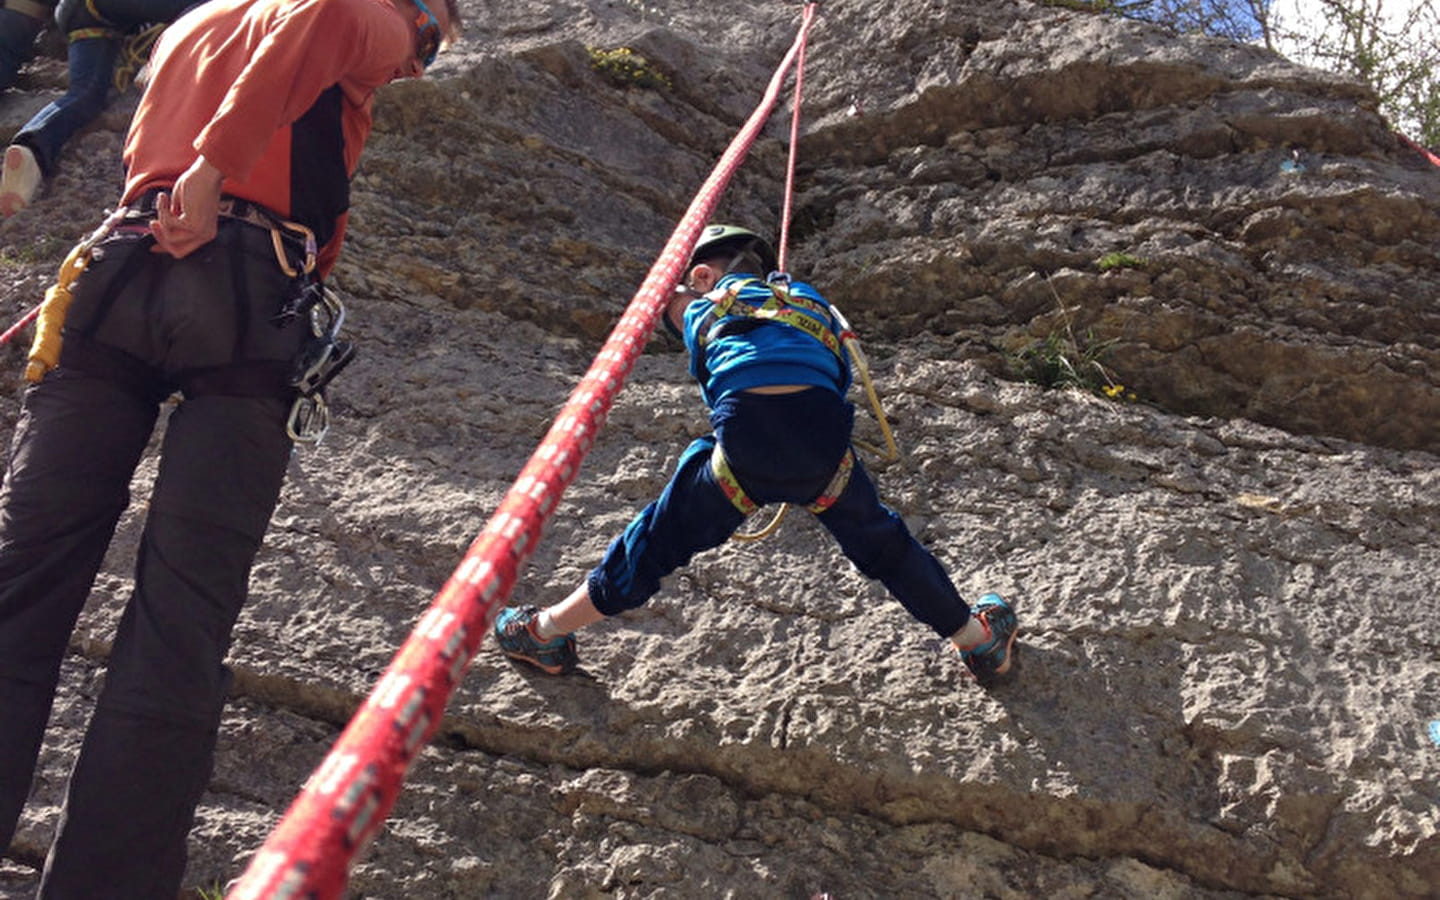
x=783, y=449
x=92, y=67
x=92, y=70
x=17, y=42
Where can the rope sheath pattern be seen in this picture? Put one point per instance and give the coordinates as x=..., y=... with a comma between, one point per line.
x=346, y=800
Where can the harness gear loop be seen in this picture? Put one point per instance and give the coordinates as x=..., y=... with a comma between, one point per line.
x=785, y=308
x=45, y=348
x=280, y=229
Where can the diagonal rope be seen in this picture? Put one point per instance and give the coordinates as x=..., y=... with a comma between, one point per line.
x=345, y=801
x=1418, y=148
x=783, y=248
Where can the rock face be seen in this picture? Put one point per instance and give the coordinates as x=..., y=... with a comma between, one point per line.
x=1228, y=586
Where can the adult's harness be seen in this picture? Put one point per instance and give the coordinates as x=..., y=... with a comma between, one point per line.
x=304, y=378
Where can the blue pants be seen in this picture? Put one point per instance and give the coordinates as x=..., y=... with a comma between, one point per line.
x=147, y=752
x=91, y=64
x=783, y=449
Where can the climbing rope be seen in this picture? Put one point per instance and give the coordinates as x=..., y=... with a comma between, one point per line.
x=848, y=338
x=1419, y=149
x=345, y=802
x=783, y=247
x=20, y=324
x=135, y=50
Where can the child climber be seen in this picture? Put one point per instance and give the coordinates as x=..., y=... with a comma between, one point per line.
x=771, y=367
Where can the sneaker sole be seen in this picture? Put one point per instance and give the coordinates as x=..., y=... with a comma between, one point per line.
x=18, y=190
x=530, y=660
x=1009, y=651
x=1010, y=654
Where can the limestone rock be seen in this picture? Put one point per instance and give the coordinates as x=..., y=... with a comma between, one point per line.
x=1228, y=586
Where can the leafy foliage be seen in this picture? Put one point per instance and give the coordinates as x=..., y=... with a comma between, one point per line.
x=1398, y=56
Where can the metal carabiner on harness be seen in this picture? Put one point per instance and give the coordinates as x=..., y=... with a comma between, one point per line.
x=319, y=362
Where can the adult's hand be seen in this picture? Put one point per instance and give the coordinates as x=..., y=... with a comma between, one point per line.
x=186, y=217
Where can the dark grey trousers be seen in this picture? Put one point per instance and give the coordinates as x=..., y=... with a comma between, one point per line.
x=148, y=750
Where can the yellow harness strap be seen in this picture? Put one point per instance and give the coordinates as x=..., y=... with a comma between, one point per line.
x=87, y=34
x=837, y=484
x=725, y=477
x=782, y=307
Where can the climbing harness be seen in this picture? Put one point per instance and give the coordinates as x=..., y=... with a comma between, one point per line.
x=786, y=308
x=82, y=20
x=323, y=356
x=725, y=477
x=89, y=22
x=50, y=314
x=783, y=307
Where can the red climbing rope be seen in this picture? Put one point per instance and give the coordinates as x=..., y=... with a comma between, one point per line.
x=1419, y=149
x=346, y=800
x=784, y=244
x=19, y=325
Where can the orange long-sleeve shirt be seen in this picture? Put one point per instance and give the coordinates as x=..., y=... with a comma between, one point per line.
x=277, y=95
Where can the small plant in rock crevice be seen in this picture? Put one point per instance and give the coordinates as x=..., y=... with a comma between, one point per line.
x=626, y=68
x=1063, y=359
x=1119, y=261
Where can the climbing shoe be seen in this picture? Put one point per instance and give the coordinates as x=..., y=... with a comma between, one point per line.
x=515, y=631
x=993, y=656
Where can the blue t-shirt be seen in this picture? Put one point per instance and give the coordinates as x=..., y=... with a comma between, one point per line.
x=744, y=352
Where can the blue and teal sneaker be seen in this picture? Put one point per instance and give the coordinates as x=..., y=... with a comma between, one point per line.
x=515, y=632
x=993, y=656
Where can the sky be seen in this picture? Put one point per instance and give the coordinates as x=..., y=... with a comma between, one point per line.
x=1304, y=16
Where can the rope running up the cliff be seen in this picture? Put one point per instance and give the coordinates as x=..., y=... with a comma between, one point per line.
x=344, y=803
